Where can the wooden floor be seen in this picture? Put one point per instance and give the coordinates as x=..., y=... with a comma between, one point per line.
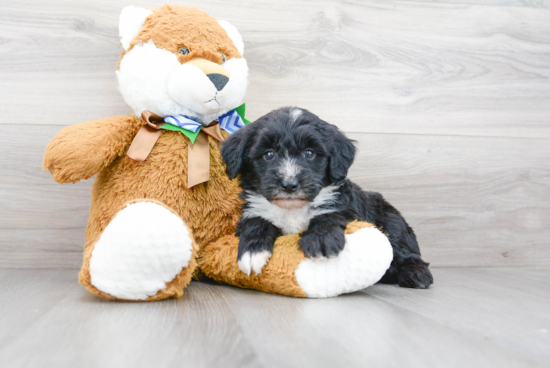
x=471, y=317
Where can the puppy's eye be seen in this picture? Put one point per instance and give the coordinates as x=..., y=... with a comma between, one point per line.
x=223, y=57
x=269, y=155
x=309, y=154
x=183, y=50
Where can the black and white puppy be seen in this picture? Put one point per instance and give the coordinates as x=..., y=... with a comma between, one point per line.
x=293, y=168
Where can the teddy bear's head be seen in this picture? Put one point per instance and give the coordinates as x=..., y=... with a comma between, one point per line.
x=180, y=61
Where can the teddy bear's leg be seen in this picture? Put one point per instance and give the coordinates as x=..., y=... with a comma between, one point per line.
x=146, y=252
x=365, y=258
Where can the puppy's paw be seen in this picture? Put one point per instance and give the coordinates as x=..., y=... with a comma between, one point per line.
x=254, y=261
x=326, y=244
x=416, y=276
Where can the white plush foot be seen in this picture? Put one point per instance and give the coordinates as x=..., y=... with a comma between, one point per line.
x=365, y=258
x=254, y=262
x=143, y=247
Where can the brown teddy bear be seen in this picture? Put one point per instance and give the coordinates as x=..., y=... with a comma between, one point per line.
x=163, y=208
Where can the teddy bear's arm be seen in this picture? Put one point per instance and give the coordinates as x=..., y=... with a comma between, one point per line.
x=82, y=150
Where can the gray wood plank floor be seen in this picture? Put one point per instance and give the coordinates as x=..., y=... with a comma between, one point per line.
x=471, y=317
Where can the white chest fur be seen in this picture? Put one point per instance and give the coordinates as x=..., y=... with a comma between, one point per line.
x=291, y=221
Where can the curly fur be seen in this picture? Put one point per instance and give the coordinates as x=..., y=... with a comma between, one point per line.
x=292, y=145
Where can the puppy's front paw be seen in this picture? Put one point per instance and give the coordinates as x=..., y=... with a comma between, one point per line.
x=326, y=244
x=253, y=261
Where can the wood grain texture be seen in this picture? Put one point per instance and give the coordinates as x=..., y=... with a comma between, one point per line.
x=527, y=3
x=448, y=101
x=370, y=66
x=506, y=304
x=469, y=318
x=25, y=297
x=85, y=331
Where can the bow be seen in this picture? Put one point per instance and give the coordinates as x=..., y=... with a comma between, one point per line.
x=198, y=157
x=190, y=126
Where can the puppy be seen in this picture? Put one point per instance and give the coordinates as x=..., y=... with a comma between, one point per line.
x=293, y=168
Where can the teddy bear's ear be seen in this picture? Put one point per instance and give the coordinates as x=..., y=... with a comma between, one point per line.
x=130, y=23
x=234, y=34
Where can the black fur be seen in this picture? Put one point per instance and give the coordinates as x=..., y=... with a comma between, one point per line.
x=288, y=136
x=259, y=234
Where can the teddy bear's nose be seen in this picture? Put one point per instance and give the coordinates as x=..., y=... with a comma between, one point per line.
x=218, y=80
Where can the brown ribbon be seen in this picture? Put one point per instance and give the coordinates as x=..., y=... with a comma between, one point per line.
x=198, y=156
x=146, y=137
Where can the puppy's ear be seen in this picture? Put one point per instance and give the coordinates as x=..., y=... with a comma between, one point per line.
x=235, y=149
x=342, y=154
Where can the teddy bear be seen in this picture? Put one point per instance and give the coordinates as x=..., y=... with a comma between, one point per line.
x=163, y=209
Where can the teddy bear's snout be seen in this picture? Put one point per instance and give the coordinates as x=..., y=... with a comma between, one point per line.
x=219, y=81
x=218, y=75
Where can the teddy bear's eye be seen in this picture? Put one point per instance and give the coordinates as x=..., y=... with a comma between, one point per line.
x=223, y=58
x=183, y=50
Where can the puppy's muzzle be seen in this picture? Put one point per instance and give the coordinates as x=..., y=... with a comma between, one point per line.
x=218, y=75
x=290, y=185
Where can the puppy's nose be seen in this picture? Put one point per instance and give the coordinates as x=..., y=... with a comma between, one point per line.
x=218, y=80
x=290, y=185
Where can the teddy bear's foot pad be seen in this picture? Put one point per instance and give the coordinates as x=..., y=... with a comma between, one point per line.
x=363, y=261
x=142, y=249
